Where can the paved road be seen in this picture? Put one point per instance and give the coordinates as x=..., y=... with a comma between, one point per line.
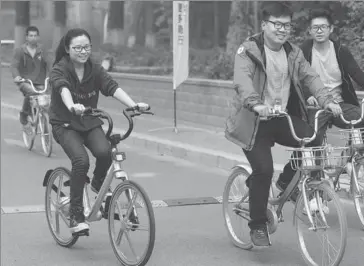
x=191, y=235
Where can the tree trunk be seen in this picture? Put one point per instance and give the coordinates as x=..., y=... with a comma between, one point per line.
x=60, y=18
x=22, y=21
x=137, y=11
x=216, y=24
x=256, y=16
x=116, y=23
x=150, y=38
x=239, y=29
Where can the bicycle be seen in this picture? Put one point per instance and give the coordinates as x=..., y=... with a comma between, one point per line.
x=355, y=155
x=312, y=188
x=38, y=120
x=128, y=221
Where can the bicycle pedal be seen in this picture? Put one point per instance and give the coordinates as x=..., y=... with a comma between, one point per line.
x=85, y=232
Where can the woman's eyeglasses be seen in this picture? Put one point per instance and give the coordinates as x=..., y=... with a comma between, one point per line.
x=79, y=49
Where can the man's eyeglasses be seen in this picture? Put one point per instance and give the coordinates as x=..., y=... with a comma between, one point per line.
x=279, y=25
x=323, y=27
x=79, y=49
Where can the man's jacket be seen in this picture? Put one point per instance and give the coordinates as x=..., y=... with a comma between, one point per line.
x=25, y=66
x=348, y=67
x=250, y=82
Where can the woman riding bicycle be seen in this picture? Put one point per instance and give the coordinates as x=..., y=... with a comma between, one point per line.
x=76, y=82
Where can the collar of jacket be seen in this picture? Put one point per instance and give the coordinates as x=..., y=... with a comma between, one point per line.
x=38, y=49
x=258, y=55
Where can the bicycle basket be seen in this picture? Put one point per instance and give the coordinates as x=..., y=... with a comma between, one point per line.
x=40, y=100
x=354, y=136
x=327, y=158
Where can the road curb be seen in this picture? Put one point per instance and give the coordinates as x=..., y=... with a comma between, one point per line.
x=206, y=157
x=181, y=202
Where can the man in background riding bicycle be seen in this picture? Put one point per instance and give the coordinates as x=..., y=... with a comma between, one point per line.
x=336, y=67
x=270, y=72
x=29, y=62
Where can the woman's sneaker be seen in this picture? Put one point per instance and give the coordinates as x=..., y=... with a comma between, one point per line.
x=77, y=222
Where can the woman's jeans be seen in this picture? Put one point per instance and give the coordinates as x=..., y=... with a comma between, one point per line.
x=73, y=143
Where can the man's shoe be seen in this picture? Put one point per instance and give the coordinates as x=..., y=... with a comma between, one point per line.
x=77, y=222
x=260, y=237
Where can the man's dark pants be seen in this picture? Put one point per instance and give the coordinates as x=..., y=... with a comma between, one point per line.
x=350, y=112
x=260, y=158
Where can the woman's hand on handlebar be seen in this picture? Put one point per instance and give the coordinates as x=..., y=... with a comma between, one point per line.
x=142, y=107
x=262, y=110
x=77, y=108
x=18, y=79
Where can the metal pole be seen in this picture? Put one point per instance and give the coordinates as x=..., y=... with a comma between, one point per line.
x=175, y=110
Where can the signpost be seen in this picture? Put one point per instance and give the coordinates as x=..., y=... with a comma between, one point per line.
x=180, y=48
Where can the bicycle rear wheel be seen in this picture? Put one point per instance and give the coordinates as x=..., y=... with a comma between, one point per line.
x=45, y=133
x=233, y=203
x=132, y=221
x=327, y=215
x=57, y=207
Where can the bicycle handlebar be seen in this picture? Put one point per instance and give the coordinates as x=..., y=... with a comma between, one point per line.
x=293, y=132
x=32, y=86
x=354, y=122
x=129, y=113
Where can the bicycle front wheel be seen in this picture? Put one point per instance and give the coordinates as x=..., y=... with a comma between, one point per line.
x=29, y=133
x=131, y=213
x=357, y=189
x=328, y=218
x=46, y=133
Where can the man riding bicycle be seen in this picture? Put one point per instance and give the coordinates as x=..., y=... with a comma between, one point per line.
x=271, y=73
x=336, y=66
x=29, y=62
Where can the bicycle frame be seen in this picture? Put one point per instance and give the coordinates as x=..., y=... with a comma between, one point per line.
x=93, y=213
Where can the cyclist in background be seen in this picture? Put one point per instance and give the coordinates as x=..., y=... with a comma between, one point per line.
x=29, y=62
x=270, y=72
x=336, y=67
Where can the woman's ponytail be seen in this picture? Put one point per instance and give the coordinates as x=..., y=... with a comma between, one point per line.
x=60, y=51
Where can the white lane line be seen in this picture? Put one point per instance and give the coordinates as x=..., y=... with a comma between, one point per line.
x=143, y=175
x=14, y=142
x=41, y=208
x=23, y=209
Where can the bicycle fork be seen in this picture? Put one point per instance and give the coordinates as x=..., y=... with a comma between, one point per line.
x=120, y=174
x=308, y=209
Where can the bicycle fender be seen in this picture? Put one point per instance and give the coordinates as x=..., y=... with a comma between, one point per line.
x=46, y=177
x=243, y=166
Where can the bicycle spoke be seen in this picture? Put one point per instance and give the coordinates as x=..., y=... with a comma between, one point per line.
x=131, y=206
x=120, y=236
x=131, y=245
